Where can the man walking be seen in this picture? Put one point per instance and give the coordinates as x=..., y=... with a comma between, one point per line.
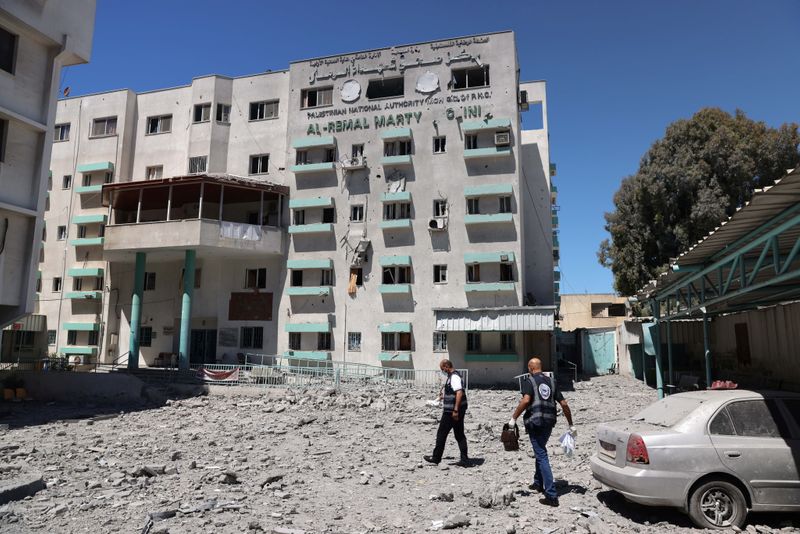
x=539, y=397
x=454, y=402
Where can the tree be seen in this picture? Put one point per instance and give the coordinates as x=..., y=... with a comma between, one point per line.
x=687, y=183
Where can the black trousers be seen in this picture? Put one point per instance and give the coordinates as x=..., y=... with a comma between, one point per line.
x=445, y=425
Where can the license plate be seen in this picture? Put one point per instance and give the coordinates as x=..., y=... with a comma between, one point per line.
x=608, y=449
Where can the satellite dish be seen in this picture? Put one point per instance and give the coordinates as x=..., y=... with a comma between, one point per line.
x=428, y=83
x=350, y=91
x=66, y=91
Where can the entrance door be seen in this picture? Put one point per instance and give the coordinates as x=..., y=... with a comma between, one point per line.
x=203, y=347
x=599, y=352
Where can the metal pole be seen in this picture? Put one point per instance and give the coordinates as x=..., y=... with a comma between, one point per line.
x=169, y=202
x=657, y=343
x=221, y=200
x=200, y=207
x=136, y=310
x=261, y=210
x=669, y=351
x=139, y=206
x=707, y=350
x=186, y=309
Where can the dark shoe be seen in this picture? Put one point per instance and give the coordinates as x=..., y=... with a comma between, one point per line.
x=464, y=463
x=549, y=501
x=536, y=487
x=431, y=459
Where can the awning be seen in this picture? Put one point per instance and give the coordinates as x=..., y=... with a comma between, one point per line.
x=313, y=142
x=510, y=319
x=29, y=323
x=96, y=167
x=395, y=261
x=398, y=196
x=308, y=327
x=396, y=134
x=315, y=202
x=490, y=124
x=488, y=190
x=395, y=327
x=488, y=257
x=310, y=264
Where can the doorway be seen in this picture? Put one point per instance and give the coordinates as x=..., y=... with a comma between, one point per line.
x=203, y=347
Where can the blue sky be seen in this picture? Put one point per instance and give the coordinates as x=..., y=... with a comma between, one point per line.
x=618, y=72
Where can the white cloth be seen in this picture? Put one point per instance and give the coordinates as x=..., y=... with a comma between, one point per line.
x=455, y=382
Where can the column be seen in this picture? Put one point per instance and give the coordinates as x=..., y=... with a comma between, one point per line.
x=670, y=376
x=657, y=347
x=186, y=310
x=136, y=310
x=707, y=350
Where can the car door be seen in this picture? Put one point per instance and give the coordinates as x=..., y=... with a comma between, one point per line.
x=753, y=440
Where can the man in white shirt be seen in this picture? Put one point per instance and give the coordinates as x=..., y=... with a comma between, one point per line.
x=454, y=403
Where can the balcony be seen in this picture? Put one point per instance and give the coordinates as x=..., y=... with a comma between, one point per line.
x=488, y=218
x=78, y=351
x=396, y=160
x=307, y=168
x=394, y=289
x=89, y=219
x=320, y=355
x=314, y=202
x=100, y=166
x=488, y=152
x=310, y=264
x=489, y=257
x=79, y=272
x=87, y=189
x=82, y=327
x=395, y=224
x=309, y=291
x=316, y=228
x=316, y=141
x=490, y=124
x=488, y=287
x=396, y=134
x=87, y=241
x=400, y=356
x=488, y=190
x=397, y=196
x=84, y=295
x=483, y=357
x=308, y=327
x=354, y=163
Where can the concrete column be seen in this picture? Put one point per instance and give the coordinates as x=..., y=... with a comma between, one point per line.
x=707, y=350
x=136, y=310
x=657, y=343
x=186, y=309
x=670, y=376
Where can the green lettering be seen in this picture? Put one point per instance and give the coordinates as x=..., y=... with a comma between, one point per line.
x=408, y=118
x=357, y=124
x=331, y=126
x=418, y=115
x=310, y=129
x=390, y=120
x=380, y=121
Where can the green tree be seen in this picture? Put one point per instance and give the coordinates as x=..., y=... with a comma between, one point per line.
x=687, y=183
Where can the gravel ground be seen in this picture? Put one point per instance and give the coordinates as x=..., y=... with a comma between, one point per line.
x=315, y=461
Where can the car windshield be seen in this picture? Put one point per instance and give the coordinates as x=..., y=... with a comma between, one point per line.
x=668, y=412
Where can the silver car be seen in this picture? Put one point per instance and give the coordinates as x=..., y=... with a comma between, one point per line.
x=714, y=454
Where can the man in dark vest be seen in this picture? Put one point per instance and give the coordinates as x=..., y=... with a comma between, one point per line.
x=539, y=397
x=454, y=403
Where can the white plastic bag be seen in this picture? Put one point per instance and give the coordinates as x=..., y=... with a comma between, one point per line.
x=568, y=444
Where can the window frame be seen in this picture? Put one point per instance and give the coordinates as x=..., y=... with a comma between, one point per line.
x=13, y=52
x=262, y=167
x=261, y=107
x=440, y=144
x=504, y=204
x=470, y=141
x=304, y=94
x=357, y=209
x=51, y=337
x=383, y=81
x=204, y=117
x=251, y=337
x=438, y=270
x=466, y=70
x=473, y=206
x=66, y=182
x=440, y=342
x=61, y=233
x=326, y=278
x=106, y=121
x=149, y=281
x=324, y=341
x=223, y=111
x=57, y=284
x=295, y=341
x=354, y=341
x=72, y=337
x=260, y=278
x=399, y=274
x=440, y=207
x=150, y=168
x=508, y=342
x=398, y=147
x=159, y=122
x=145, y=336
x=506, y=271
x=59, y=132
x=473, y=273
x=198, y=159
x=473, y=342
x=298, y=217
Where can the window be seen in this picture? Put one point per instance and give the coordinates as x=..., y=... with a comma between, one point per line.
x=357, y=213
x=324, y=341
x=224, y=113
x=145, y=336
x=470, y=77
x=23, y=339
x=263, y=110
x=314, y=98
x=385, y=88
x=156, y=172
x=81, y=231
x=299, y=217
x=259, y=164
x=149, y=281
x=301, y=158
x=72, y=337
x=294, y=340
x=328, y=215
x=440, y=274
x=251, y=337
x=396, y=211
x=388, y=341
x=397, y=148
x=507, y=342
x=51, y=337
x=470, y=141
x=104, y=126
x=757, y=418
x=256, y=278
x=86, y=180
x=198, y=164
x=330, y=155
x=98, y=283
x=439, y=145
x=3, y=136
x=94, y=335
x=160, y=124
x=62, y=132
x=505, y=204
x=474, y=272
x=39, y=285
x=66, y=181
x=108, y=178
x=358, y=151
x=440, y=208
x=354, y=341
x=440, y=342
x=506, y=272
x=61, y=233
x=397, y=275
x=101, y=230
x=473, y=341
x=326, y=277
x=721, y=425
x=297, y=278
x=473, y=206
x=8, y=50
x=202, y=112
x=358, y=272
x=56, y=284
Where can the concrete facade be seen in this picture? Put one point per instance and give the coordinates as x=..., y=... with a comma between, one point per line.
x=373, y=149
x=602, y=310
x=38, y=39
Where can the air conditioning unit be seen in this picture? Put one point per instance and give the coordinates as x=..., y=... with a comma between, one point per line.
x=523, y=100
x=355, y=162
x=437, y=223
x=502, y=138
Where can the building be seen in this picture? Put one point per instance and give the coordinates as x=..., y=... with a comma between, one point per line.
x=37, y=39
x=382, y=207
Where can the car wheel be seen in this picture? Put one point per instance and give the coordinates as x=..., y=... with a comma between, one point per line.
x=717, y=504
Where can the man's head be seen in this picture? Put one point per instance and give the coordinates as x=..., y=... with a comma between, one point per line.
x=446, y=366
x=534, y=366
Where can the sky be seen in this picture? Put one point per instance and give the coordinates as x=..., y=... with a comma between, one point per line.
x=617, y=72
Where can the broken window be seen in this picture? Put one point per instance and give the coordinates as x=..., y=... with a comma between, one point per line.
x=397, y=148
x=358, y=151
x=470, y=141
x=397, y=275
x=616, y=310
x=297, y=278
x=358, y=272
x=440, y=274
x=263, y=110
x=506, y=272
x=473, y=341
x=61, y=233
x=470, y=77
x=314, y=98
x=385, y=88
x=354, y=341
x=396, y=210
x=256, y=278
x=474, y=272
x=299, y=217
x=357, y=213
x=198, y=164
x=326, y=277
x=439, y=145
x=328, y=215
x=72, y=337
x=56, y=284
x=440, y=207
x=160, y=124
x=145, y=336
x=404, y=341
x=149, y=281
x=440, y=342
x=224, y=113
x=156, y=172
x=104, y=126
x=473, y=206
x=8, y=50
x=259, y=164
x=66, y=181
x=330, y=155
x=202, y=112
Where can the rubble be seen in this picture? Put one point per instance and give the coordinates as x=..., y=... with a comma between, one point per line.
x=242, y=462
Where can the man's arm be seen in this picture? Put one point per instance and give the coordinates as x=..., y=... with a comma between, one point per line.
x=567, y=411
x=523, y=403
x=459, y=396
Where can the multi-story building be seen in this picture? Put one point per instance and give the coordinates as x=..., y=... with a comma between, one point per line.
x=382, y=207
x=37, y=39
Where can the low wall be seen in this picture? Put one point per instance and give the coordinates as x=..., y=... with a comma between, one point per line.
x=71, y=386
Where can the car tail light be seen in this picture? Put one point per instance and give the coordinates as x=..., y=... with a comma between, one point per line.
x=637, y=451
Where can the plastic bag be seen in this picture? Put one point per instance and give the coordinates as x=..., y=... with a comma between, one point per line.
x=568, y=444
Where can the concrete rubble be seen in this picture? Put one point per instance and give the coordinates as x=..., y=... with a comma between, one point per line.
x=283, y=461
